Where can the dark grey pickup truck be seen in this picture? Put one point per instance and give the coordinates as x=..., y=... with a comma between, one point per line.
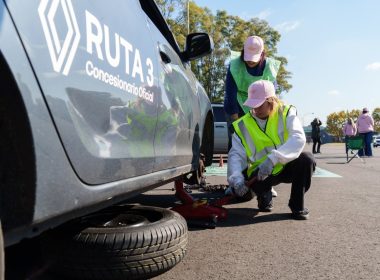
x=98, y=104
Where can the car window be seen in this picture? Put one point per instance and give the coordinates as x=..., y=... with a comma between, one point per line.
x=153, y=12
x=219, y=114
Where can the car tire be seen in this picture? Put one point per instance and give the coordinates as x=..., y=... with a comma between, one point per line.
x=122, y=242
x=195, y=177
x=207, y=144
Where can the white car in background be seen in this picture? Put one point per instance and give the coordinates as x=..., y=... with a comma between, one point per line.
x=376, y=141
x=220, y=129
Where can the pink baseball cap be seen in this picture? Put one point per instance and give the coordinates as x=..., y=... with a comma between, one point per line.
x=253, y=48
x=258, y=92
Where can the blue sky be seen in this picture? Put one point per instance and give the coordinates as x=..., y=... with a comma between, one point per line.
x=332, y=47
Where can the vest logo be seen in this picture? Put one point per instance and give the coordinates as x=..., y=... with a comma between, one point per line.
x=61, y=50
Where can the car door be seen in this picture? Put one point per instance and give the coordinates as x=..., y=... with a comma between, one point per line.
x=96, y=66
x=178, y=107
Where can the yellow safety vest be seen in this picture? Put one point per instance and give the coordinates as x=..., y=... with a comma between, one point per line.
x=258, y=143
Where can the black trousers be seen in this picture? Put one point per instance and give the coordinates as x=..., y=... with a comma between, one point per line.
x=299, y=173
x=316, y=144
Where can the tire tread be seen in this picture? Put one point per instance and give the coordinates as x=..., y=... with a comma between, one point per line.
x=124, y=255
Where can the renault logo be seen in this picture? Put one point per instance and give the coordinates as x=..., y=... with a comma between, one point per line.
x=61, y=50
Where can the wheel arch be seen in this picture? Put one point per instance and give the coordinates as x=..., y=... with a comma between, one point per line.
x=17, y=157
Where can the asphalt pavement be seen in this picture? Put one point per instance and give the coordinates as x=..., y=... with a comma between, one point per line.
x=341, y=239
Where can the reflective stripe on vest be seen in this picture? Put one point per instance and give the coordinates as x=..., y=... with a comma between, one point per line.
x=259, y=143
x=243, y=79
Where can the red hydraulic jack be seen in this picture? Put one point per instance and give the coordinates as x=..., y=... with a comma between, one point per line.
x=200, y=212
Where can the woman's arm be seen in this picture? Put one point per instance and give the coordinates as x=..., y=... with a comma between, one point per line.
x=231, y=106
x=237, y=162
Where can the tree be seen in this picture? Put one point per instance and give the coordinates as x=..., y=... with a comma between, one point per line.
x=335, y=123
x=354, y=114
x=228, y=33
x=376, y=118
x=177, y=21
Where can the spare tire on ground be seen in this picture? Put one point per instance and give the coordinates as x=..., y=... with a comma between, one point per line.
x=121, y=242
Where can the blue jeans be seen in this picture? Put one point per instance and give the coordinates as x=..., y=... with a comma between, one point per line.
x=367, y=144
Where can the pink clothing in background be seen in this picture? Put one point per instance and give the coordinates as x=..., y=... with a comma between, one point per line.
x=349, y=129
x=365, y=123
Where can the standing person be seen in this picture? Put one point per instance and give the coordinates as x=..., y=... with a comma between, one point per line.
x=268, y=141
x=252, y=65
x=316, y=135
x=349, y=130
x=365, y=125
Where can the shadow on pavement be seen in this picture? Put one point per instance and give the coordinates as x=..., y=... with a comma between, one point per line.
x=247, y=216
x=236, y=216
x=170, y=200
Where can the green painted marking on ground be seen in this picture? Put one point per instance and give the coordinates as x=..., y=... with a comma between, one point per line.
x=319, y=172
x=215, y=170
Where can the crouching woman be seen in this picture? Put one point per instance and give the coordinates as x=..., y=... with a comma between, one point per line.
x=268, y=143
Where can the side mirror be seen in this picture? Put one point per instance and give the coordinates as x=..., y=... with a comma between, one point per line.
x=197, y=45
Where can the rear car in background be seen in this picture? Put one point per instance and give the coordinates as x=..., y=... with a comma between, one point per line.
x=98, y=104
x=220, y=129
x=376, y=141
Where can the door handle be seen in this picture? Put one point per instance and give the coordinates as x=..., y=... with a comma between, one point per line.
x=165, y=58
x=220, y=126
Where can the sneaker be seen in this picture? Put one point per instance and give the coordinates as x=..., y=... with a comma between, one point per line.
x=274, y=193
x=301, y=215
x=264, y=202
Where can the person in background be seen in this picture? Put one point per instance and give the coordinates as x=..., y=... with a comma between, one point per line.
x=316, y=135
x=252, y=65
x=365, y=125
x=268, y=143
x=349, y=130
